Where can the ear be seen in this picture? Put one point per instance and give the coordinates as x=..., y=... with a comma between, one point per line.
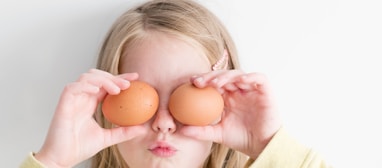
x=222, y=63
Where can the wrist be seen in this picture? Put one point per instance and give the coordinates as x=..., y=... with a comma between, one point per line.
x=46, y=160
x=260, y=143
x=258, y=147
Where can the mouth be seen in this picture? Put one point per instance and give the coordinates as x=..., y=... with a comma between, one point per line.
x=162, y=149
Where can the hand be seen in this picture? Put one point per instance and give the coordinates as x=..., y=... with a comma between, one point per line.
x=74, y=135
x=249, y=119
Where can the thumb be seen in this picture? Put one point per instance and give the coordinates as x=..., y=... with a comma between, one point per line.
x=207, y=133
x=120, y=134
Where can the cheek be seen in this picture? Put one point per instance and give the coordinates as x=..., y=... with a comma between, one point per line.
x=130, y=150
x=134, y=151
x=198, y=152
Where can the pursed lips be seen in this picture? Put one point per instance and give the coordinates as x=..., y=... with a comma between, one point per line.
x=162, y=149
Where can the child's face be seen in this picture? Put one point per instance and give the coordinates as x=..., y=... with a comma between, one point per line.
x=164, y=62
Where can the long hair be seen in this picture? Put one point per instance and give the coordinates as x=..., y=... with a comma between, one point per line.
x=186, y=20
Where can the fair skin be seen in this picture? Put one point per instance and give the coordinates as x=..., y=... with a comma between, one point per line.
x=248, y=123
x=164, y=62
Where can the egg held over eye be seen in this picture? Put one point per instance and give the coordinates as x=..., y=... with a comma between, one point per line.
x=196, y=106
x=132, y=106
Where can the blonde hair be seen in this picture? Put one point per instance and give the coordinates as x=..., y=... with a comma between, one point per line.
x=186, y=20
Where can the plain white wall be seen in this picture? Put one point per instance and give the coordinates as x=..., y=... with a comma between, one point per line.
x=322, y=58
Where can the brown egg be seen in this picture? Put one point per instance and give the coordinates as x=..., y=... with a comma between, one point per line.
x=133, y=106
x=196, y=106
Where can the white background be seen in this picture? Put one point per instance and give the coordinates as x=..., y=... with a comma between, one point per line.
x=322, y=57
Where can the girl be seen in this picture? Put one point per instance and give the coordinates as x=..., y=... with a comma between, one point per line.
x=166, y=43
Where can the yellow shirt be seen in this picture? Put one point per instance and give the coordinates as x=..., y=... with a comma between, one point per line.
x=31, y=162
x=281, y=152
x=285, y=152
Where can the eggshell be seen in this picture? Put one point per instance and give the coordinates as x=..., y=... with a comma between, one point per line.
x=196, y=106
x=132, y=106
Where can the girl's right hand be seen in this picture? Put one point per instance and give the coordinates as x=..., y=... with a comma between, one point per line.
x=74, y=135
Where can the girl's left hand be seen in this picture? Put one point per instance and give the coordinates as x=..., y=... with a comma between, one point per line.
x=250, y=117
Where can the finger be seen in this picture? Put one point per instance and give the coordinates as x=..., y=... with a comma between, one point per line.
x=226, y=81
x=77, y=88
x=226, y=78
x=100, y=73
x=129, y=76
x=254, y=81
x=215, y=78
x=109, y=85
x=207, y=133
x=120, y=80
x=78, y=95
x=202, y=80
x=119, y=134
x=126, y=76
x=231, y=87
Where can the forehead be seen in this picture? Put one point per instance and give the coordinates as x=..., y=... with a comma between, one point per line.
x=160, y=57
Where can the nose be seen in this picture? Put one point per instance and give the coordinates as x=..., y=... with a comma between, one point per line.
x=164, y=122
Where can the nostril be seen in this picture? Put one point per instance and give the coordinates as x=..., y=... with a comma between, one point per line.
x=164, y=129
x=157, y=129
x=163, y=122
